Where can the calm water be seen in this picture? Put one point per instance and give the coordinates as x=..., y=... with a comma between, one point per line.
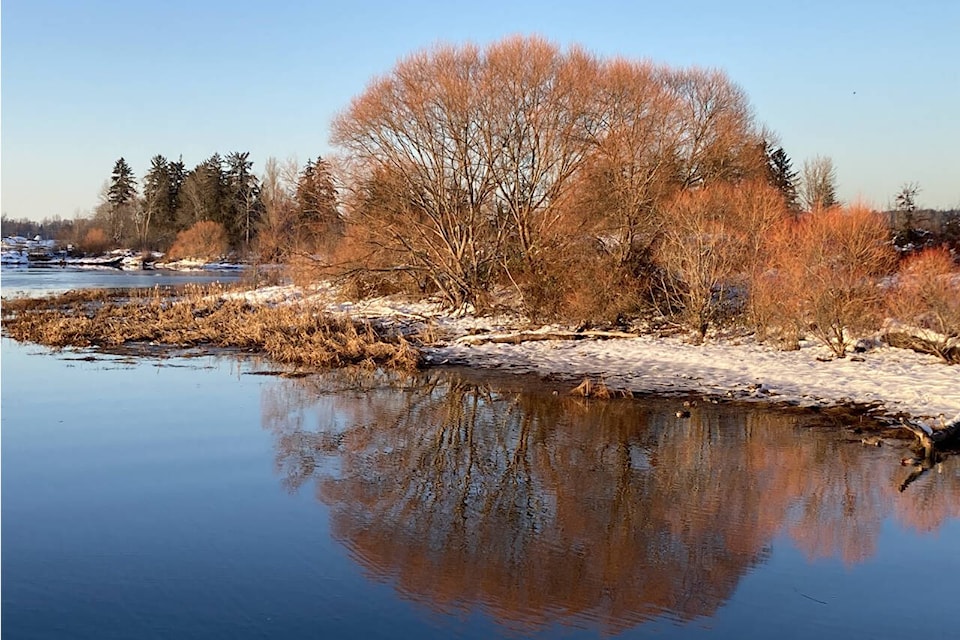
x=187, y=498
x=43, y=280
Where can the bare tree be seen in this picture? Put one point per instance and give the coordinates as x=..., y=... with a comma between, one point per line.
x=827, y=268
x=718, y=140
x=818, y=185
x=630, y=172
x=467, y=167
x=539, y=111
x=277, y=225
x=422, y=147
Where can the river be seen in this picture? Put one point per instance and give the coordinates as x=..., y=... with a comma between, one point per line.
x=196, y=498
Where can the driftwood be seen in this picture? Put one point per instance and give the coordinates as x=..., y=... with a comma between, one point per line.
x=534, y=336
x=932, y=438
x=901, y=336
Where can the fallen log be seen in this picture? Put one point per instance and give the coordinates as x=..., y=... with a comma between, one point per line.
x=534, y=336
x=933, y=437
x=901, y=336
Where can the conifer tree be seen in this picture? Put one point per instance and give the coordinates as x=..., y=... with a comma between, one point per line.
x=782, y=175
x=241, y=198
x=317, y=202
x=121, y=201
x=123, y=185
x=157, y=211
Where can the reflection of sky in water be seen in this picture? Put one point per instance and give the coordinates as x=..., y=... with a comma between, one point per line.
x=39, y=281
x=145, y=499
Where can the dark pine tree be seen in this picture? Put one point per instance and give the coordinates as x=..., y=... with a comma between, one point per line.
x=318, y=203
x=241, y=198
x=178, y=174
x=121, y=202
x=781, y=175
x=123, y=184
x=158, y=210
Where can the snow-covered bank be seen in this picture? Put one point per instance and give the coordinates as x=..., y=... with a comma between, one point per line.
x=900, y=381
x=897, y=380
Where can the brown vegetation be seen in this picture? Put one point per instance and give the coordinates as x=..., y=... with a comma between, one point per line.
x=473, y=168
x=823, y=276
x=289, y=334
x=926, y=298
x=712, y=247
x=94, y=241
x=205, y=240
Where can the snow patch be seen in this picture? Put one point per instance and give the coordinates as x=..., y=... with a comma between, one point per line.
x=897, y=380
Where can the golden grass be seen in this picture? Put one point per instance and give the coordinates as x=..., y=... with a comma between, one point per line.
x=590, y=389
x=301, y=335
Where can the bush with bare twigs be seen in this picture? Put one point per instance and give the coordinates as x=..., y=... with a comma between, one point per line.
x=822, y=275
x=926, y=300
x=205, y=240
x=94, y=241
x=712, y=245
x=462, y=162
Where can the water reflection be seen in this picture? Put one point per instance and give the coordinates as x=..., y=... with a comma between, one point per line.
x=541, y=508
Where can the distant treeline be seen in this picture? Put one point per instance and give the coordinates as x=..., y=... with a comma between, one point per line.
x=285, y=208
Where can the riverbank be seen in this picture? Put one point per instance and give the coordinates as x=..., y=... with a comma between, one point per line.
x=886, y=380
x=204, y=316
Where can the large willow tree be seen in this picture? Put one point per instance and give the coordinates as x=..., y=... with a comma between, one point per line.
x=469, y=166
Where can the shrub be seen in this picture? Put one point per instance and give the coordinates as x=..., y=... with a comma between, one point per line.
x=94, y=241
x=927, y=298
x=822, y=275
x=205, y=240
x=711, y=246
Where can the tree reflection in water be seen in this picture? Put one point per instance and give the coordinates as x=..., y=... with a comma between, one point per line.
x=541, y=508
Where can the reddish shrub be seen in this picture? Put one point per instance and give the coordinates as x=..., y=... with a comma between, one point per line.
x=205, y=240
x=94, y=241
x=927, y=297
x=822, y=275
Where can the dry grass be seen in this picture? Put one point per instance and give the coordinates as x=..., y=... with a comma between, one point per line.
x=590, y=389
x=298, y=335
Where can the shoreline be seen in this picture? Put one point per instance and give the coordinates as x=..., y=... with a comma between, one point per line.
x=884, y=381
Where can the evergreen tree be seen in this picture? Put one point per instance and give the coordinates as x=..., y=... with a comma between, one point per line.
x=781, y=175
x=317, y=202
x=121, y=201
x=242, y=191
x=157, y=212
x=123, y=184
x=905, y=206
x=178, y=174
x=906, y=199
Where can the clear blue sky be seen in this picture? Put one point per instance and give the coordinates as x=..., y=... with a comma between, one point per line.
x=873, y=84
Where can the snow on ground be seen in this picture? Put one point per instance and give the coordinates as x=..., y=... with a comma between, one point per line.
x=898, y=380
x=13, y=257
x=193, y=264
